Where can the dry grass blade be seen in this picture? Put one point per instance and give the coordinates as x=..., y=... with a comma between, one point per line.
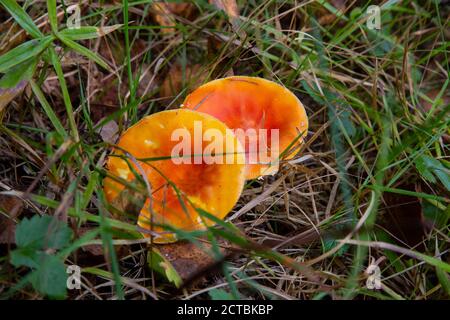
x=8, y=94
x=253, y=203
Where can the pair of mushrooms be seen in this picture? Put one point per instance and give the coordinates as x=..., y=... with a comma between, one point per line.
x=179, y=188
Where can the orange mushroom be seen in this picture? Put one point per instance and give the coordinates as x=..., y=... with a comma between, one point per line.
x=163, y=149
x=255, y=103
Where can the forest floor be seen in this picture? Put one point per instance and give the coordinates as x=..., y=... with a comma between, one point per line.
x=365, y=202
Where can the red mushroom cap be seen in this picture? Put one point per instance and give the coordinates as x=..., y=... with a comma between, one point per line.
x=255, y=103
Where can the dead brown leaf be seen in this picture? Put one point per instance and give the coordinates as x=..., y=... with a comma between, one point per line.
x=404, y=219
x=109, y=132
x=174, y=82
x=8, y=94
x=164, y=13
x=108, y=91
x=325, y=17
x=7, y=216
x=229, y=6
x=190, y=261
x=128, y=204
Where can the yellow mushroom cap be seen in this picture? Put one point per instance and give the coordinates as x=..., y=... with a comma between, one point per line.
x=213, y=187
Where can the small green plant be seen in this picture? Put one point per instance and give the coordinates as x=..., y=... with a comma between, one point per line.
x=39, y=240
x=19, y=63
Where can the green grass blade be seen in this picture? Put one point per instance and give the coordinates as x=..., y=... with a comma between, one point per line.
x=105, y=231
x=444, y=280
x=48, y=109
x=88, y=32
x=23, y=52
x=66, y=97
x=52, y=16
x=83, y=51
x=22, y=71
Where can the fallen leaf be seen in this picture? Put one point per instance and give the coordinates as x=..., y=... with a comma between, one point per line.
x=8, y=94
x=183, y=9
x=174, y=82
x=404, y=219
x=164, y=12
x=183, y=262
x=229, y=6
x=7, y=224
x=109, y=132
x=325, y=17
x=107, y=91
x=338, y=4
x=128, y=204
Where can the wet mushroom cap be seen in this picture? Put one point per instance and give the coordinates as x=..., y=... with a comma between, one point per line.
x=254, y=103
x=178, y=188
